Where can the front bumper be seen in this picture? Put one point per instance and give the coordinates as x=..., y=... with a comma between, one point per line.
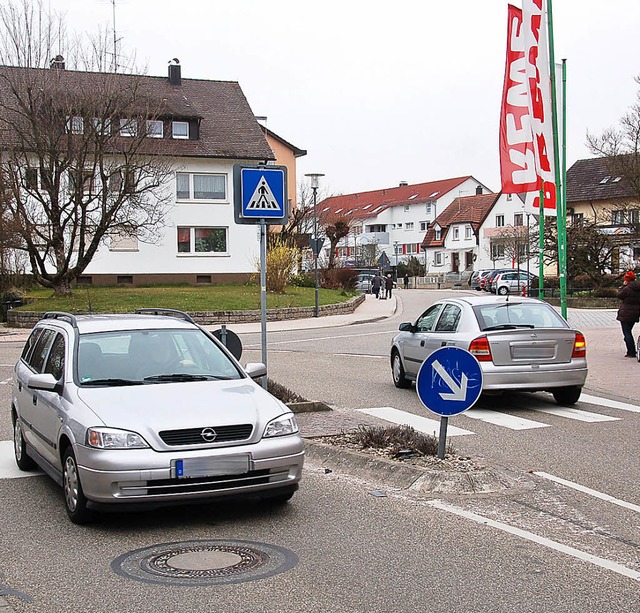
x=148, y=476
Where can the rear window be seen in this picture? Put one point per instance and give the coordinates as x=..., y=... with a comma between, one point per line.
x=518, y=314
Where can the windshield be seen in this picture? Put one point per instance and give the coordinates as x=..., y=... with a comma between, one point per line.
x=137, y=357
x=518, y=314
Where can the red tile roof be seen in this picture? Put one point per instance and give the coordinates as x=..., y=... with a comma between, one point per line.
x=370, y=204
x=468, y=209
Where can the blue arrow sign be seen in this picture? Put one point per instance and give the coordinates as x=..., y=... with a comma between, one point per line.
x=263, y=193
x=449, y=381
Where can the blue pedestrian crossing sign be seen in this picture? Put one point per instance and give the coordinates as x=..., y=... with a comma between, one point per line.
x=260, y=193
x=449, y=381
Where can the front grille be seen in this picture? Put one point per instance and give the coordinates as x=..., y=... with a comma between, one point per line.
x=193, y=436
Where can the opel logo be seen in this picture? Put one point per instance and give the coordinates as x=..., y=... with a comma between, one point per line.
x=534, y=335
x=208, y=434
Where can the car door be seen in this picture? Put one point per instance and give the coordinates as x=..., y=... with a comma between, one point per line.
x=443, y=333
x=414, y=344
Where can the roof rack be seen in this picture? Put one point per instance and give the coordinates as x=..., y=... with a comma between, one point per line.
x=170, y=312
x=69, y=317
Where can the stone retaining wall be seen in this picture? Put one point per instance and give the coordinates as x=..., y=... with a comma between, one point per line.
x=27, y=319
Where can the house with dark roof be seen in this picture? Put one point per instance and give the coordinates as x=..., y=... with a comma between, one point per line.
x=393, y=220
x=598, y=191
x=201, y=128
x=478, y=232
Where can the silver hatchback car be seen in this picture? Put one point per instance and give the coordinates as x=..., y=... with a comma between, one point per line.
x=144, y=408
x=522, y=344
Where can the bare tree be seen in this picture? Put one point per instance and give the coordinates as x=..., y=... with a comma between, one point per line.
x=78, y=167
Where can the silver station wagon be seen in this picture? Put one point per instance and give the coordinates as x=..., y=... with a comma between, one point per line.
x=145, y=408
x=522, y=344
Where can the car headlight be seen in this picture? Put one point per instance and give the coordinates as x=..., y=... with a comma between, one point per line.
x=108, y=438
x=280, y=426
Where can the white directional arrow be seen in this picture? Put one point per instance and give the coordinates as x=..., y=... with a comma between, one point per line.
x=458, y=392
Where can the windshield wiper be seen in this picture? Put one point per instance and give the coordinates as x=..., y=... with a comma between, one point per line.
x=111, y=382
x=182, y=377
x=508, y=326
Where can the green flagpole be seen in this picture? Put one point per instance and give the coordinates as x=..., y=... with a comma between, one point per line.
x=560, y=205
x=541, y=246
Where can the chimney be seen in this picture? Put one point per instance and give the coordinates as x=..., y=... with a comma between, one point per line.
x=478, y=190
x=403, y=184
x=57, y=62
x=175, y=76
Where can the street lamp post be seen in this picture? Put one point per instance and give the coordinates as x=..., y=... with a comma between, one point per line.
x=395, y=248
x=314, y=177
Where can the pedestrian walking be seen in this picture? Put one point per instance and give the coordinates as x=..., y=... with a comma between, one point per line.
x=406, y=280
x=629, y=311
x=376, y=284
x=388, y=286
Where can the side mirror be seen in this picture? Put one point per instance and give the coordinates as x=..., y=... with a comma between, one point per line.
x=45, y=382
x=255, y=369
x=406, y=327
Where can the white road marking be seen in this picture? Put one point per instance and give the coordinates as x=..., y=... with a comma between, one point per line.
x=612, y=404
x=586, y=490
x=540, y=540
x=572, y=413
x=8, y=468
x=421, y=424
x=503, y=419
x=323, y=338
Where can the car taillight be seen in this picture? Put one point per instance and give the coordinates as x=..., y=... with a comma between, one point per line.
x=481, y=349
x=579, y=346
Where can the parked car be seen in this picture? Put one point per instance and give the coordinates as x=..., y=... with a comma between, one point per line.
x=147, y=409
x=476, y=278
x=363, y=282
x=512, y=282
x=488, y=280
x=522, y=344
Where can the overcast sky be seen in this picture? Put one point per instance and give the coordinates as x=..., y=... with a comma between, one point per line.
x=380, y=92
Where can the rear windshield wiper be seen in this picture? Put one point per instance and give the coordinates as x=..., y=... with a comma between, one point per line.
x=508, y=326
x=111, y=382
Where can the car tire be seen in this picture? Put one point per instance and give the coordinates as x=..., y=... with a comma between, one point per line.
x=567, y=395
x=397, y=372
x=503, y=291
x=23, y=461
x=74, y=500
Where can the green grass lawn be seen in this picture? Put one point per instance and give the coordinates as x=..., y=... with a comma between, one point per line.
x=183, y=298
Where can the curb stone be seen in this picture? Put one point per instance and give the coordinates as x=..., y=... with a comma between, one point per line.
x=414, y=478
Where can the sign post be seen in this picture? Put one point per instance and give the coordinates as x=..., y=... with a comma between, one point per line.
x=449, y=382
x=260, y=197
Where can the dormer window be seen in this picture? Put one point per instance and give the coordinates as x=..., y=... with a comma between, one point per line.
x=438, y=232
x=154, y=128
x=180, y=129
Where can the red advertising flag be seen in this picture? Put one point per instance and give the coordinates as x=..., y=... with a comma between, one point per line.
x=517, y=150
x=536, y=53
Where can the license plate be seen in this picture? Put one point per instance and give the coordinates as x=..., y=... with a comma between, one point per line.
x=210, y=467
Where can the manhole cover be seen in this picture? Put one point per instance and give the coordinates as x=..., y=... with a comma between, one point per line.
x=204, y=562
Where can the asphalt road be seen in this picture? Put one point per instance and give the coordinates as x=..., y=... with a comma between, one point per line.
x=534, y=544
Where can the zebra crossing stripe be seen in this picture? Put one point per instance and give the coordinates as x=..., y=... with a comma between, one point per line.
x=572, y=413
x=612, y=404
x=503, y=419
x=421, y=424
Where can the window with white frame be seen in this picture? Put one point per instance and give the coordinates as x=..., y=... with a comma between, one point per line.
x=399, y=226
x=497, y=251
x=75, y=125
x=438, y=258
x=456, y=233
x=31, y=179
x=193, y=186
x=468, y=232
x=408, y=225
x=123, y=242
x=499, y=221
x=424, y=226
x=84, y=177
x=155, y=128
x=518, y=219
x=407, y=208
x=180, y=129
x=128, y=127
x=202, y=240
x=438, y=233
x=101, y=126
x=617, y=218
x=411, y=248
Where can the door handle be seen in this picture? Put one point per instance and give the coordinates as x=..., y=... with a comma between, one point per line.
x=421, y=343
x=34, y=399
x=19, y=386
